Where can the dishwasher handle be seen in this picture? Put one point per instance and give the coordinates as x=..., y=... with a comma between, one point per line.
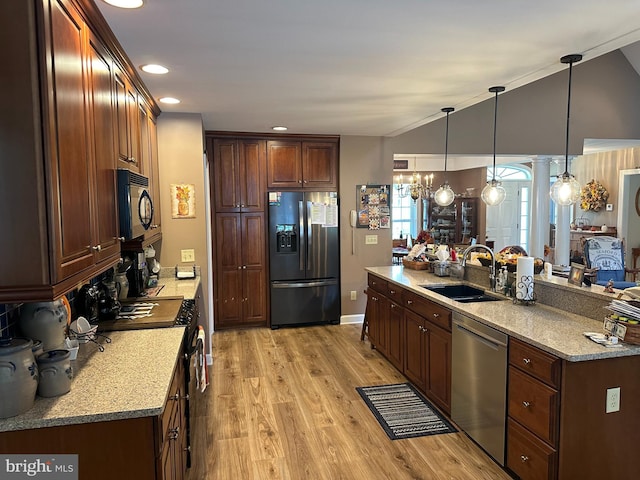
x=491, y=341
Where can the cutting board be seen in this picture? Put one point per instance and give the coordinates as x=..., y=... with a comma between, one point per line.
x=162, y=315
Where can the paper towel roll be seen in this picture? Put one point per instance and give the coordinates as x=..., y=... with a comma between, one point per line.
x=524, y=278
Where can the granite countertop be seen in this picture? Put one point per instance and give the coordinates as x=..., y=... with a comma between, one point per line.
x=130, y=379
x=172, y=287
x=550, y=329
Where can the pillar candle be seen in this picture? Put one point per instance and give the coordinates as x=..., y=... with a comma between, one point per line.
x=524, y=278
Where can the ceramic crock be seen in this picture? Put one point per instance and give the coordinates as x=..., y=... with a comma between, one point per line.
x=44, y=321
x=18, y=376
x=55, y=373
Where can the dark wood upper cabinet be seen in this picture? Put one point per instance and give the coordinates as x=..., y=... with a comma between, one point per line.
x=302, y=164
x=59, y=127
x=127, y=122
x=239, y=174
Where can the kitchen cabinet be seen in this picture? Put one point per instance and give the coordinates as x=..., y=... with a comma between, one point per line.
x=127, y=122
x=144, y=448
x=240, y=251
x=533, y=410
x=414, y=334
x=302, y=164
x=59, y=128
x=238, y=174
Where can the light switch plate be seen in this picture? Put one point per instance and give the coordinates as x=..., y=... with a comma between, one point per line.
x=371, y=239
x=609, y=207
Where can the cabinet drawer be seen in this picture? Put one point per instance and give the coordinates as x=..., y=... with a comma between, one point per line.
x=169, y=409
x=534, y=405
x=528, y=456
x=431, y=311
x=377, y=284
x=534, y=361
x=394, y=292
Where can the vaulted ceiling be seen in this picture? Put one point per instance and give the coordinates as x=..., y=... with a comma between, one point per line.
x=358, y=67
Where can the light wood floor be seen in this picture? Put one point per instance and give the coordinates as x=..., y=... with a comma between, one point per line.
x=282, y=404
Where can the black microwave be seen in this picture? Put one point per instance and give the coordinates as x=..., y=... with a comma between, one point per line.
x=134, y=204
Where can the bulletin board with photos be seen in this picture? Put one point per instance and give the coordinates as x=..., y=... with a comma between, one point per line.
x=373, y=206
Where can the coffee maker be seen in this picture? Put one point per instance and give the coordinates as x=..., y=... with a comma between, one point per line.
x=137, y=274
x=108, y=304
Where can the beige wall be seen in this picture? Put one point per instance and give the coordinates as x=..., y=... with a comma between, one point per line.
x=532, y=118
x=180, y=155
x=604, y=167
x=361, y=162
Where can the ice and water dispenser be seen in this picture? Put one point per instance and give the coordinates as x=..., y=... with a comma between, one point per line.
x=286, y=238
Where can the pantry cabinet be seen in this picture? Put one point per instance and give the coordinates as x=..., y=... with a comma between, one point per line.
x=59, y=130
x=241, y=299
x=308, y=165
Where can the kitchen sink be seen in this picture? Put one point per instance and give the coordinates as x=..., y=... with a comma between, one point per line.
x=462, y=293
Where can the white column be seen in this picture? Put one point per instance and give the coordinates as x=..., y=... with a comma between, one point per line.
x=539, y=229
x=562, y=235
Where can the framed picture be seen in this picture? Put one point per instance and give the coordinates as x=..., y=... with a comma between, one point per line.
x=183, y=201
x=373, y=204
x=576, y=274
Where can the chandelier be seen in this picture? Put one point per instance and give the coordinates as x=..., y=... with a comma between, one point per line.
x=415, y=188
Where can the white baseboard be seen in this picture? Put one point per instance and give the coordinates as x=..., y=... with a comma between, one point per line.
x=358, y=318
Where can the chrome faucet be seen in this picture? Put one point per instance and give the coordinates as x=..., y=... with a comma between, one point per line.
x=492, y=267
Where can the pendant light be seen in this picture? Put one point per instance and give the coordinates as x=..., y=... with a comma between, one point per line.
x=566, y=190
x=444, y=195
x=494, y=193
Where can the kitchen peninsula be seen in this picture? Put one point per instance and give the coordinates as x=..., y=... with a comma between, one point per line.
x=558, y=379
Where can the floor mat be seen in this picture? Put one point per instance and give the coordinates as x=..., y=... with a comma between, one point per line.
x=403, y=412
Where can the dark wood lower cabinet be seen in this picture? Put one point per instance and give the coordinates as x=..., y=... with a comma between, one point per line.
x=145, y=448
x=415, y=345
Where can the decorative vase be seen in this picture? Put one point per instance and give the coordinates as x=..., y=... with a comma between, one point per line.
x=183, y=208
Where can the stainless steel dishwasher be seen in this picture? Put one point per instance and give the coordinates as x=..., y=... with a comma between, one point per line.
x=479, y=383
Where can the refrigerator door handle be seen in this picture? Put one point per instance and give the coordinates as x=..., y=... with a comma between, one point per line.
x=318, y=283
x=309, y=234
x=301, y=236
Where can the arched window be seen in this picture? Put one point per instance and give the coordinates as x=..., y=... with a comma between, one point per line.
x=509, y=172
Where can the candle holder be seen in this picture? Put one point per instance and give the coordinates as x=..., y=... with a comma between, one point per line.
x=526, y=282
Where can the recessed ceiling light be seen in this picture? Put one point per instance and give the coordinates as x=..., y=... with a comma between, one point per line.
x=169, y=100
x=125, y=3
x=155, y=69
x=279, y=128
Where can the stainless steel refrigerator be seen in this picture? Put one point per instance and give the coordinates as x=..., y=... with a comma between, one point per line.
x=304, y=258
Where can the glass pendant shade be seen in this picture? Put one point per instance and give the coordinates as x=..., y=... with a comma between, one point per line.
x=566, y=190
x=444, y=195
x=493, y=193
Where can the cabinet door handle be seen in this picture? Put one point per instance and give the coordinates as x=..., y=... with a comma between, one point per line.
x=524, y=458
x=392, y=292
x=436, y=315
x=237, y=205
x=122, y=239
x=97, y=248
x=154, y=226
x=306, y=181
x=244, y=267
x=242, y=205
x=299, y=181
x=393, y=305
x=526, y=361
x=174, y=433
x=526, y=404
x=175, y=397
x=421, y=328
x=409, y=302
x=239, y=267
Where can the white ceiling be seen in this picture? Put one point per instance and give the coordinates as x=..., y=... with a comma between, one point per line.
x=357, y=67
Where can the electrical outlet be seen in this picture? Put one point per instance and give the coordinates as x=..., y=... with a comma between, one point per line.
x=371, y=239
x=613, y=400
x=353, y=294
x=609, y=207
x=188, y=255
